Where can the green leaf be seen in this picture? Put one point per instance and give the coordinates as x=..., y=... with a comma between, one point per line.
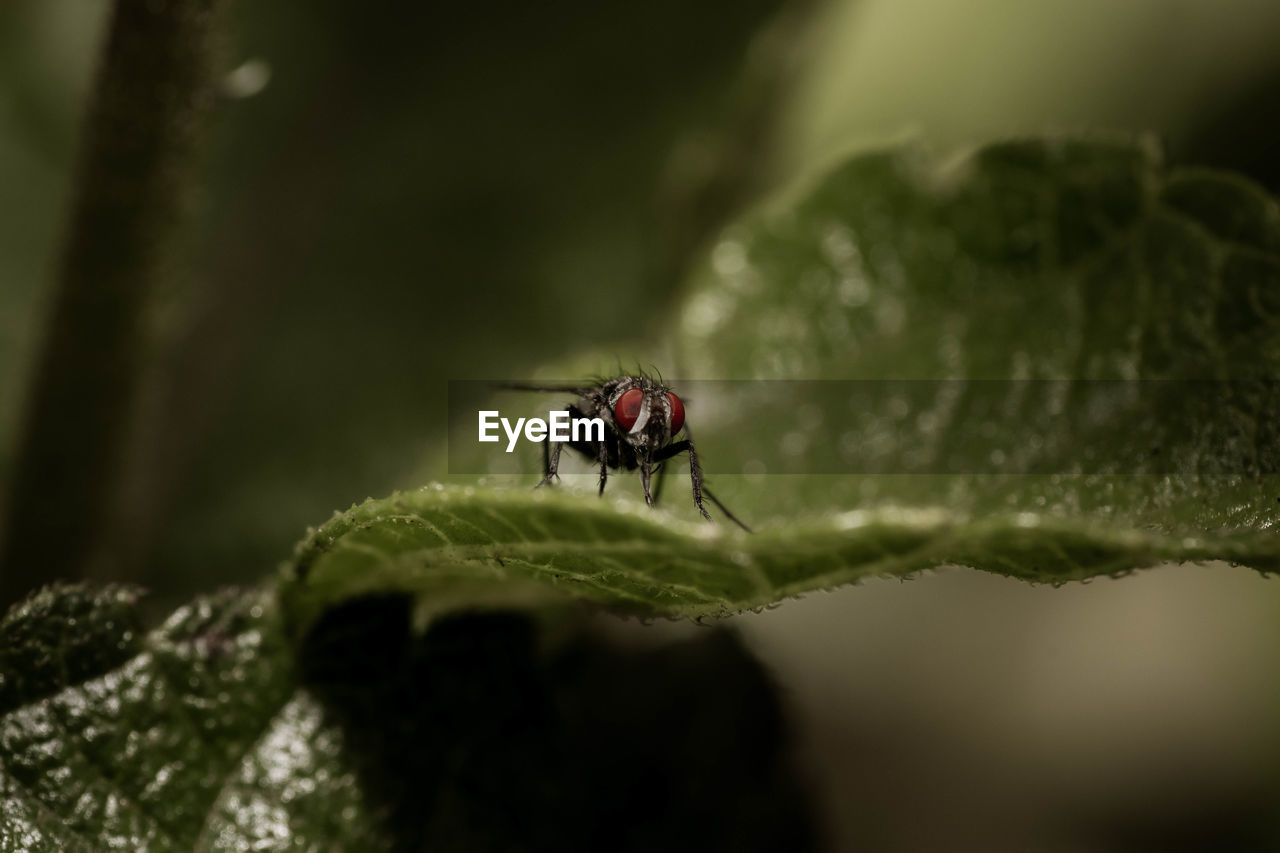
x=467, y=548
x=213, y=733
x=1086, y=338
x=192, y=736
x=1009, y=296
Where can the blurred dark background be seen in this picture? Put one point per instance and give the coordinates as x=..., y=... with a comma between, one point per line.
x=444, y=192
x=392, y=201
x=435, y=192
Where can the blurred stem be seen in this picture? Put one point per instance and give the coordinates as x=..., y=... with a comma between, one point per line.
x=151, y=101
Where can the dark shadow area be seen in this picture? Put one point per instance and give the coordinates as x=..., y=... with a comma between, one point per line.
x=1237, y=818
x=482, y=735
x=1238, y=133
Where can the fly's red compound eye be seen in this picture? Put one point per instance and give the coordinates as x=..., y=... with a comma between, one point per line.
x=677, y=413
x=627, y=409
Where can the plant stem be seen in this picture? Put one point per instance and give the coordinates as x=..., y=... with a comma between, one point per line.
x=151, y=102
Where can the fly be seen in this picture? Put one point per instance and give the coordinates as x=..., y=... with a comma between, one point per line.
x=641, y=417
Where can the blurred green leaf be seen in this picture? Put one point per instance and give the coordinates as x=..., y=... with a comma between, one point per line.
x=1055, y=273
x=1082, y=349
x=188, y=737
x=464, y=547
x=213, y=733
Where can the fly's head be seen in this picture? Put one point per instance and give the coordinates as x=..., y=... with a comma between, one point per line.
x=647, y=414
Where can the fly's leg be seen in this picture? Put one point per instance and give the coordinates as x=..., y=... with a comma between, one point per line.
x=695, y=474
x=715, y=500
x=695, y=470
x=661, y=472
x=646, y=475
x=602, y=456
x=550, y=463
